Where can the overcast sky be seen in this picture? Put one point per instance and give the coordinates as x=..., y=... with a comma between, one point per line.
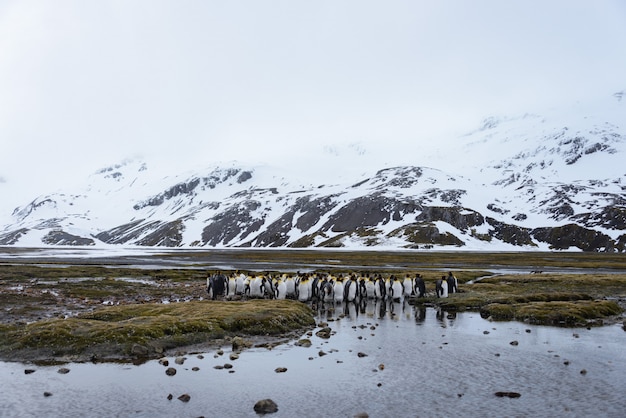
x=84, y=84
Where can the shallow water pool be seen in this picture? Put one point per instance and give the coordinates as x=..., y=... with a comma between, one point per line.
x=387, y=360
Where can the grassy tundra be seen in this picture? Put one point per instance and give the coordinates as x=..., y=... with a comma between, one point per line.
x=109, y=310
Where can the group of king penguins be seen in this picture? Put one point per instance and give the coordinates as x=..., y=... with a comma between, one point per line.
x=324, y=287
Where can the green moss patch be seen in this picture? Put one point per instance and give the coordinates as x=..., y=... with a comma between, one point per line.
x=577, y=313
x=118, y=331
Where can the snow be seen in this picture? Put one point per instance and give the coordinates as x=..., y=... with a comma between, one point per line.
x=493, y=163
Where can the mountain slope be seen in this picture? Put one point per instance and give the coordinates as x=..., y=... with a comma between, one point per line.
x=532, y=182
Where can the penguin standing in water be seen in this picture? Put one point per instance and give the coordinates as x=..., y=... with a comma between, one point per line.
x=338, y=289
x=441, y=287
x=419, y=287
x=407, y=284
x=452, y=283
x=351, y=289
x=396, y=291
x=380, y=290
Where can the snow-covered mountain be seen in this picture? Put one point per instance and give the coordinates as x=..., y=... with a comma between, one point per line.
x=555, y=180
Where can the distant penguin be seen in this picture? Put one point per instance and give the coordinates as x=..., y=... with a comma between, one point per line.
x=216, y=285
x=326, y=292
x=241, y=283
x=396, y=291
x=452, y=283
x=280, y=289
x=407, y=284
x=338, y=288
x=257, y=287
x=304, y=289
x=268, y=288
x=370, y=288
x=441, y=287
x=316, y=284
x=419, y=287
x=362, y=288
x=351, y=289
x=380, y=289
x=290, y=287
x=232, y=285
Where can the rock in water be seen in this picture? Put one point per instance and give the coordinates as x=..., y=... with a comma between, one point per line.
x=508, y=395
x=265, y=406
x=304, y=342
x=324, y=332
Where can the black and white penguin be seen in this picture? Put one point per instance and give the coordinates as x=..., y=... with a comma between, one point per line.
x=216, y=285
x=407, y=285
x=452, y=283
x=380, y=290
x=326, y=291
x=232, y=285
x=280, y=289
x=419, y=286
x=441, y=287
x=304, y=289
x=351, y=289
x=396, y=291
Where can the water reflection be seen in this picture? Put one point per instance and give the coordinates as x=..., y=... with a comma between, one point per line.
x=463, y=364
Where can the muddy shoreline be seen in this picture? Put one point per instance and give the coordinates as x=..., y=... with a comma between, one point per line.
x=39, y=288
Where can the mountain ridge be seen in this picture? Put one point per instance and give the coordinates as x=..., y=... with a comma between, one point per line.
x=516, y=183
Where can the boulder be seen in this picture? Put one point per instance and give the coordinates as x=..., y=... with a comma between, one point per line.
x=265, y=406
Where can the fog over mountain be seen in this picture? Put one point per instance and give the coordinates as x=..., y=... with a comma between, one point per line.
x=537, y=181
x=358, y=124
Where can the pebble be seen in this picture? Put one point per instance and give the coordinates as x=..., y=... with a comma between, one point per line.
x=280, y=369
x=184, y=397
x=170, y=371
x=63, y=370
x=29, y=371
x=514, y=343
